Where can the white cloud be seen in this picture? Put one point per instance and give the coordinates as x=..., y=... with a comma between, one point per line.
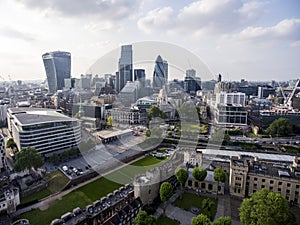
x=204, y=17
x=287, y=29
x=105, y=9
x=157, y=18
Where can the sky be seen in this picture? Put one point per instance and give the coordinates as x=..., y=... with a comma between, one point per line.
x=254, y=40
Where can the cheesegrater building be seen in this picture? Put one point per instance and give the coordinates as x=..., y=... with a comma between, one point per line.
x=46, y=130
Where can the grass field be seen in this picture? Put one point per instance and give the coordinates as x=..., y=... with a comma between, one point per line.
x=165, y=221
x=89, y=193
x=189, y=200
x=57, y=181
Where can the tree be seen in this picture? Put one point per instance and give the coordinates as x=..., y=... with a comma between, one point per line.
x=264, y=208
x=148, y=133
x=110, y=121
x=199, y=174
x=226, y=220
x=28, y=158
x=165, y=192
x=219, y=176
x=170, y=133
x=54, y=158
x=156, y=112
x=201, y=219
x=182, y=176
x=280, y=127
x=144, y=219
x=207, y=206
x=11, y=144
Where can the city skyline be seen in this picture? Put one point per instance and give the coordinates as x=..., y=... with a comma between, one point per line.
x=254, y=40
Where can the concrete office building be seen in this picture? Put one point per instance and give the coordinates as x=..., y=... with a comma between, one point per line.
x=46, y=130
x=58, y=68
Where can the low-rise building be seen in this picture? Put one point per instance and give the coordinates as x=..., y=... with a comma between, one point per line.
x=45, y=130
x=248, y=175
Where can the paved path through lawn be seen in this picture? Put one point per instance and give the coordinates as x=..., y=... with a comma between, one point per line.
x=175, y=213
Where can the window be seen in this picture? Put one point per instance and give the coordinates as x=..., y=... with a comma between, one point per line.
x=271, y=181
x=288, y=191
x=279, y=183
x=190, y=183
x=254, y=185
x=262, y=186
x=255, y=178
x=279, y=189
x=297, y=186
x=263, y=180
x=288, y=184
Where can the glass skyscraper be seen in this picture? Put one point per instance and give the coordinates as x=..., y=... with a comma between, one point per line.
x=58, y=68
x=160, y=74
x=125, y=67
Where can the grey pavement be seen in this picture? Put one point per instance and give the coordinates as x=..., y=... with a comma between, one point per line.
x=224, y=206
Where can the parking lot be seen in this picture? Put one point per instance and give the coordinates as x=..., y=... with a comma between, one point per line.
x=100, y=157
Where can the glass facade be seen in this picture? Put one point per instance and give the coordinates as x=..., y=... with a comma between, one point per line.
x=58, y=68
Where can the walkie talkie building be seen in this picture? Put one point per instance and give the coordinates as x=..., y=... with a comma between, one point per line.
x=58, y=68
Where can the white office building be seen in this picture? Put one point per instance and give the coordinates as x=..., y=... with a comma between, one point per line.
x=46, y=130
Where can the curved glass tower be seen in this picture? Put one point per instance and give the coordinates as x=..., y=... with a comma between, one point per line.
x=160, y=74
x=58, y=68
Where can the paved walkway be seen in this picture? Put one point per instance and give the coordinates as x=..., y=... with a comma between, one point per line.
x=224, y=207
x=175, y=213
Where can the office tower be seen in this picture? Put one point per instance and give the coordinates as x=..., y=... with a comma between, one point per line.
x=219, y=77
x=125, y=67
x=58, y=68
x=191, y=83
x=190, y=73
x=160, y=74
x=140, y=75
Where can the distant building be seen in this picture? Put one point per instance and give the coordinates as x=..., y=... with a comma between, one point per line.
x=140, y=75
x=160, y=74
x=191, y=83
x=265, y=91
x=234, y=98
x=58, y=67
x=3, y=163
x=45, y=130
x=127, y=115
x=231, y=115
x=125, y=67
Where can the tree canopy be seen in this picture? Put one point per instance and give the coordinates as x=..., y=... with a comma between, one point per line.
x=181, y=175
x=166, y=191
x=144, y=219
x=11, y=144
x=28, y=158
x=199, y=173
x=201, y=219
x=280, y=127
x=219, y=175
x=226, y=220
x=156, y=112
x=110, y=121
x=265, y=208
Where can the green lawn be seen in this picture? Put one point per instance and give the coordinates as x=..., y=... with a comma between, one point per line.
x=189, y=200
x=89, y=193
x=57, y=180
x=165, y=221
x=36, y=196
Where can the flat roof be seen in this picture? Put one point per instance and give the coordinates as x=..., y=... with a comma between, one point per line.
x=115, y=133
x=32, y=117
x=265, y=156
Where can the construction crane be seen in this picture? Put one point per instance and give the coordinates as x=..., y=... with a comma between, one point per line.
x=289, y=99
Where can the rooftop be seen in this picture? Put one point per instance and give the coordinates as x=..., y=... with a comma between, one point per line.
x=30, y=116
